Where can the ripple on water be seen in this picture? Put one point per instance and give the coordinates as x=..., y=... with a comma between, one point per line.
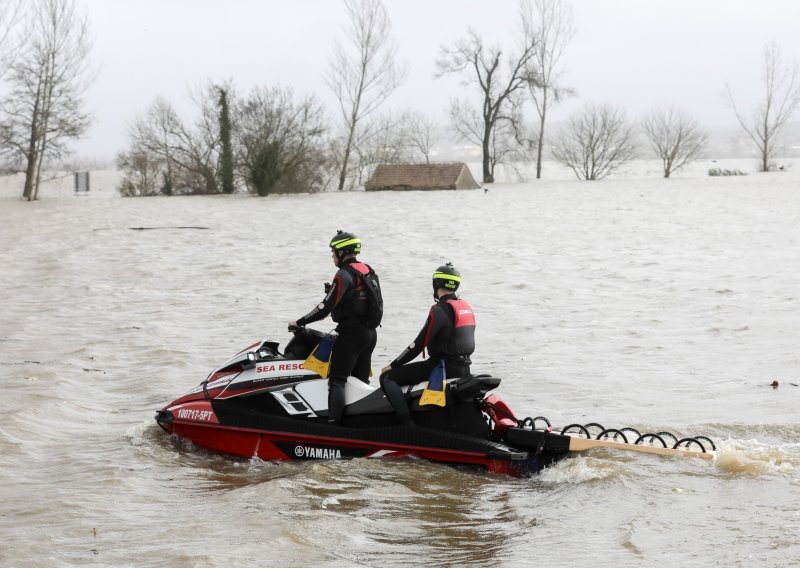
x=634, y=305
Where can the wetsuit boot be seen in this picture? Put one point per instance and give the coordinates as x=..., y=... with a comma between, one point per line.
x=335, y=400
x=397, y=399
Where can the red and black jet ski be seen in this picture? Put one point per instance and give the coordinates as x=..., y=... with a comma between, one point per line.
x=264, y=403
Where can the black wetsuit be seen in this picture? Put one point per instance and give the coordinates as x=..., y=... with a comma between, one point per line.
x=443, y=340
x=347, y=303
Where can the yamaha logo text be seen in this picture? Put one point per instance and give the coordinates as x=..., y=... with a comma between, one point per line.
x=317, y=453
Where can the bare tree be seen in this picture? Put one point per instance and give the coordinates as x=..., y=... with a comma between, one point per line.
x=148, y=160
x=363, y=72
x=382, y=141
x=10, y=43
x=143, y=171
x=596, y=142
x=280, y=143
x=549, y=23
x=420, y=135
x=781, y=98
x=48, y=78
x=275, y=143
x=389, y=138
x=190, y=156
x=499, y=81
x=203, y=145
x=675, y=137
x=508, y=141
x=510, y=147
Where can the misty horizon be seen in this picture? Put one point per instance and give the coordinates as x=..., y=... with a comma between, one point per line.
x=624, y=53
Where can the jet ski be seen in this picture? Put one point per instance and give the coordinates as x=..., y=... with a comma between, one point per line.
x=264, y=403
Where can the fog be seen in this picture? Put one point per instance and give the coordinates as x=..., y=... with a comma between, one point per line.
x=632, y=54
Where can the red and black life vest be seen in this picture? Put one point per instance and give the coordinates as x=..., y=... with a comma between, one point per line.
x=458, y=340
x=363, y=300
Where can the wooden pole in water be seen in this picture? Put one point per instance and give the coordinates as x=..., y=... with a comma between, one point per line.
x=583, y=444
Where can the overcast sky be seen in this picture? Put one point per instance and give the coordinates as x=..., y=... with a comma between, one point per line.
x=636, y=54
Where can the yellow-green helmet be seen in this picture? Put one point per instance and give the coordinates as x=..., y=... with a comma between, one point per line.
x=447, y=277
x=344, y=243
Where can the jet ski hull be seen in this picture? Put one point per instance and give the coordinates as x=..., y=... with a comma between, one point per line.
x=278, y=440
x=269, y=407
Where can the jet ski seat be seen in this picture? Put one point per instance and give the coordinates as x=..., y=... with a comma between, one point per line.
x=472, y=386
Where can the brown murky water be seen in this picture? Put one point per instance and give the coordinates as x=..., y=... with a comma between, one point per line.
x=663, y=305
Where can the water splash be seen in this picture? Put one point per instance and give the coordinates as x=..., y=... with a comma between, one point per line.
x=581, y=469
x=751, y=457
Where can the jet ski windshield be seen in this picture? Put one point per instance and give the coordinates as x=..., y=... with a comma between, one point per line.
x=303, y=343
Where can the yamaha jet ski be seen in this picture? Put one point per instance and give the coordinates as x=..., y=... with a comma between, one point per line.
x=266, y=404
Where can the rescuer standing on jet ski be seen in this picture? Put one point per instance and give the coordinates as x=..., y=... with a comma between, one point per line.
x=448, y=334
x=354, y=302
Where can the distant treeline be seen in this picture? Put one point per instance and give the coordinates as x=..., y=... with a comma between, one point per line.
x=269, y=140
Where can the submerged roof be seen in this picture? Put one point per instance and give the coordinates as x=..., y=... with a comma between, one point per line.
x=421, y=176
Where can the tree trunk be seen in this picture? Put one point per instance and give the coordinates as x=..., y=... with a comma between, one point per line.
x=39, y=168
x=343, y=171
x=488, y=172
x=47, y=105
x=211, y=180
x=29, y=175
x=539, y=145
x=226, y=158
x=346, y=159
x=540, y=142
x=31, y=155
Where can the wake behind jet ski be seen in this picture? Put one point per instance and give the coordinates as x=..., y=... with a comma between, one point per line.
x=264, y=403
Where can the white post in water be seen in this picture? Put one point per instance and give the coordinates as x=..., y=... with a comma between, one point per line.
x=82, y=183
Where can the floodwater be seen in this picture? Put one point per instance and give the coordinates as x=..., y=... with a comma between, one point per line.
x=661, y=304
